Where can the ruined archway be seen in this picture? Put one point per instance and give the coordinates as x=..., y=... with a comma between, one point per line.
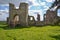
x=16, y=19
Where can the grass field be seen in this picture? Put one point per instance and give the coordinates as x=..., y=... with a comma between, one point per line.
x=31, y=33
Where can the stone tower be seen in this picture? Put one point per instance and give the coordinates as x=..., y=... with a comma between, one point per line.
x=11, y=8
x=23, y=14
x=12, y=12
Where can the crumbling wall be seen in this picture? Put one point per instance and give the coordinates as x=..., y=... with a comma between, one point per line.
x=51, y=17
x=31, y=20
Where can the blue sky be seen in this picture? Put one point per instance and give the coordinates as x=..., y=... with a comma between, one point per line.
x=35, y=6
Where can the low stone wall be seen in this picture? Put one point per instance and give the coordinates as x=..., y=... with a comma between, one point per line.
x=39, y=23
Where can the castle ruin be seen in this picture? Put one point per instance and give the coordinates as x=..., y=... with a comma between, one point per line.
x=20, y=16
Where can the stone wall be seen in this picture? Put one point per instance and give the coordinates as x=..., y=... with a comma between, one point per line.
x=51, y=17
x=39, y=23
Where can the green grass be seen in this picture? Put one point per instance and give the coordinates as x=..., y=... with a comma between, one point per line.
x=31, y=33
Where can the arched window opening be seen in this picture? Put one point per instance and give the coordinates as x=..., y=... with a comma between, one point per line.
x=16, y=18
x=58, y=12
x=31, y=18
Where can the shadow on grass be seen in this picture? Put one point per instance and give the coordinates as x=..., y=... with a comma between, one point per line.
x=20, y=27
x=16, y=27
x=57, y=37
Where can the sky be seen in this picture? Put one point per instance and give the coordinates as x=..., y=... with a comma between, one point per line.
x=35, y=7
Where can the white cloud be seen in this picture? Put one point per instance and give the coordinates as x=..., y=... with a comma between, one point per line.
x=29, y=7
x=46, y=7
x=3, y=16
x=34, y=2
x=6, y=10
x=36, y=10
x=50, y=0
x=4, y=4
x=43, y=3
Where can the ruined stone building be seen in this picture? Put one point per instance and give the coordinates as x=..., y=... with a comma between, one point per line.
x=50, y=17
x=20, y=16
